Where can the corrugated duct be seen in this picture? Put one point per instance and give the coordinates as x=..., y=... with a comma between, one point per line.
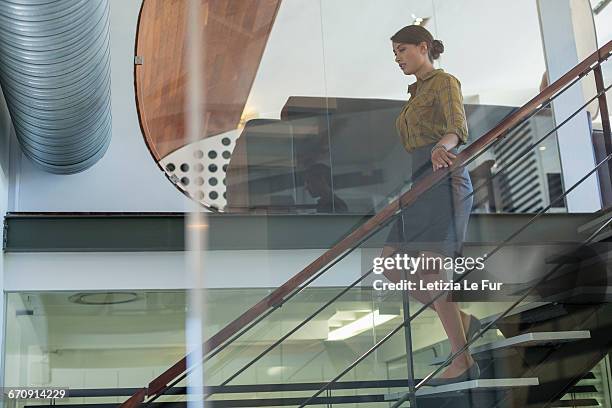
x=55, y=73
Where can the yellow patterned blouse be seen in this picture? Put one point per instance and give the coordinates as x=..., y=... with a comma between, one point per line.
x=435, y=108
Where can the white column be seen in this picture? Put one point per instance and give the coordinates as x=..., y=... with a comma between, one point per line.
x=564, y=33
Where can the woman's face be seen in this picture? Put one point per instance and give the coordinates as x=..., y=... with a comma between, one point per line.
x=410, y=57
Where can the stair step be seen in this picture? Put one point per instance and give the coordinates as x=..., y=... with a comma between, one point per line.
x=483, y=384
x=581, y=389
x=524, y=308
x=525, y=340
x=589, y=376
x=584, y=294
x=584, y=402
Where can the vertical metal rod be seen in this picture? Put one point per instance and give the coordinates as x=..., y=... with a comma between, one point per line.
x=408, y=340
x=604, y=113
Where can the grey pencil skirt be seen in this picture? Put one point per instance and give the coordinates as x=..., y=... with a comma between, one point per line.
x=437, y=221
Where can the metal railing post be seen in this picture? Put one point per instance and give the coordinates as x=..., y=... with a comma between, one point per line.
x=408, y=340
x=603, y=109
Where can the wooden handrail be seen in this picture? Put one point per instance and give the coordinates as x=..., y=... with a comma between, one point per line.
x=405, y=199
x=136, y=399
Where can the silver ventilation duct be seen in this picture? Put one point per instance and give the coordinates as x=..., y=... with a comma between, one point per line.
x=55, y=74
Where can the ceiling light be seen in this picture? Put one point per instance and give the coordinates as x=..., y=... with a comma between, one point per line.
x=360, y=325
x=274, y=370
x=103, y=298
x=247, y=114
x=542, y=148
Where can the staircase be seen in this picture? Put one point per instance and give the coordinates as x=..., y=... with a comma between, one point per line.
x=535, y=363
x=536, y=350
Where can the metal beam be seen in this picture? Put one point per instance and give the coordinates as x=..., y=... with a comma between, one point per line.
x=136, y=232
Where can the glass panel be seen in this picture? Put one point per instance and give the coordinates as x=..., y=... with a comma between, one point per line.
x=335, y=150
x=333, y=336
x=283, y=132
x=91, y=342
x=369, y=162
x=246, y=94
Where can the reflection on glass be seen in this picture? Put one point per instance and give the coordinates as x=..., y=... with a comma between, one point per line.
x=262, y=143
x=362, y=174
x=234, y=38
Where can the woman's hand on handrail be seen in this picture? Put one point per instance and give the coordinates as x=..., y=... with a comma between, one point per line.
x=440, y=155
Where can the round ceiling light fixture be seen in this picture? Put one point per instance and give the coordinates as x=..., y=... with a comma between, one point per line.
x=103, y=298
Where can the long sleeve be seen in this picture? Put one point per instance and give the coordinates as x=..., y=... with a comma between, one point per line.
x=451, y=104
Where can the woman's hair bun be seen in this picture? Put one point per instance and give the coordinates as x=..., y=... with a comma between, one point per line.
x=437, y=48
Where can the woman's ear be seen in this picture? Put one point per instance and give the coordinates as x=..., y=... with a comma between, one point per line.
x=423, y=48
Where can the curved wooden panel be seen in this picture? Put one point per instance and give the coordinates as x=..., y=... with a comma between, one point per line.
x=235, y=34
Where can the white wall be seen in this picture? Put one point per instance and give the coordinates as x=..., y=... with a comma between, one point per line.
x=342, y=49
x=166, y=270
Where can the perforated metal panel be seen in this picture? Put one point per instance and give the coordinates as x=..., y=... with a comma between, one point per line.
x=199, y=169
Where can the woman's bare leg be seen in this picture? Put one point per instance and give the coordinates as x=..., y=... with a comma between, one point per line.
x=395, y=275
x=452, y=321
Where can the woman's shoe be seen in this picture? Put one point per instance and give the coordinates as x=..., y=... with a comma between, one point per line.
x=474, y=327
x=472, y=373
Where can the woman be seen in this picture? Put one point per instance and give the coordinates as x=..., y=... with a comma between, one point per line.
x=431, y=125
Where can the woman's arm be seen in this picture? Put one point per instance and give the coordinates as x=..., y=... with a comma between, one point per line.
x=440, y=156
x=455, y=132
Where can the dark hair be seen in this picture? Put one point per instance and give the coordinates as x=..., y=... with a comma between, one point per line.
x=416, y=34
